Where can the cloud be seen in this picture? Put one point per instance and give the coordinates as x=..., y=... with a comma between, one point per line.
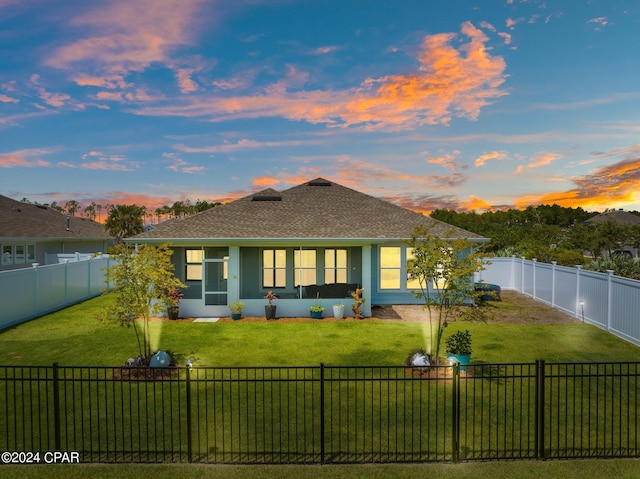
x=448, y=160
x=28, y=158
x=8, y=99
x=179, y=165
x=544, y=159
x=613, y=185
x=494, y=155
x=324, y=50
x=244, y=144
x=475, y=204
x=185, y=82
x=598, y=23
x=125, y=36
x=109, y=80
x=449, y=82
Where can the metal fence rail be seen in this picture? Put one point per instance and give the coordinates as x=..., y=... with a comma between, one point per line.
x=317, y=415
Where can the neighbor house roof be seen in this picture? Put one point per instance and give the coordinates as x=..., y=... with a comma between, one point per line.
x=27, y=221
x=618, y=216
x=318, y=209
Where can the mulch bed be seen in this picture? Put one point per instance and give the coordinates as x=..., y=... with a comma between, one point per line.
x=144, y=373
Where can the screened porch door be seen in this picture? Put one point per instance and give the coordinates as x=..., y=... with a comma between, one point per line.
x=215, y=281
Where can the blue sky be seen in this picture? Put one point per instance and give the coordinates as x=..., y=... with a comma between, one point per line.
x=430, y=104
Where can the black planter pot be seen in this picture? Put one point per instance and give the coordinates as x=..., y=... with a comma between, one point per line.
x=173, y=312
x=270, y=311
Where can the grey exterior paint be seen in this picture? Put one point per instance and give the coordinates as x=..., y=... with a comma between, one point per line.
x=48, y=231
x=318, y=214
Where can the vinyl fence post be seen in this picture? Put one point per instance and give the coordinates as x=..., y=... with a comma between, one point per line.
x=56, y=407
x=322, y=452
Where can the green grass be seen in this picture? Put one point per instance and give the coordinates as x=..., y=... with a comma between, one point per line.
x=74, y=337
x=583, y=469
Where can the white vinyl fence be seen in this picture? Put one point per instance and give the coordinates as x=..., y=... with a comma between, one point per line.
x=602, y=299
x=30, y=292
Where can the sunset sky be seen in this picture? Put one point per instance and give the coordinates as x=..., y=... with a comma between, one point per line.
x=431, y=104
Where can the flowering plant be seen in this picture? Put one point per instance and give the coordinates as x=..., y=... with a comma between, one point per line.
x=173, y=297
x=270, y=296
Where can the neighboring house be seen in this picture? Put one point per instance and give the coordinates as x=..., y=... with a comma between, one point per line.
x=315, y=239
x=621, y=217
x=31, y=233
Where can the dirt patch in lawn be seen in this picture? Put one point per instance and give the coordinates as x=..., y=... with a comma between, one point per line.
x=515, y=308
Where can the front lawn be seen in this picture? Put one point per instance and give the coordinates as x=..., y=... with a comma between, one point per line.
x=74, y=337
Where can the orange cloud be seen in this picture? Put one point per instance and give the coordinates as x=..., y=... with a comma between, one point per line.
x=613, y=185
x=494, y=155
x=475, y=204
x=542, y=160
x=450, y=82
x=28, y=158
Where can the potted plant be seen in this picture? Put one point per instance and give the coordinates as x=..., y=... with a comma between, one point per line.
x=270, y=309
x=316, y=309
x=172, y=301
x=358, y=301
x=236, y=309
x=338, y=310
x=458, y=347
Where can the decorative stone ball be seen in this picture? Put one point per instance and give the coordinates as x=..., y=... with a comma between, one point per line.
x=160, y=360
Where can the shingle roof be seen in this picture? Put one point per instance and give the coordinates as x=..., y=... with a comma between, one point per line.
x=20, y=220
x=619, y=216
x=315, y=209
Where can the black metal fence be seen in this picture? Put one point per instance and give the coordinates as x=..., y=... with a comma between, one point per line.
x=323, y=414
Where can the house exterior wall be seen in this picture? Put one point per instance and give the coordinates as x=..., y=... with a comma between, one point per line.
x=46, y=250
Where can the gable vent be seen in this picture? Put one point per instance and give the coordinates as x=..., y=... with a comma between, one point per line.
x=319, y=183
x=266, y=198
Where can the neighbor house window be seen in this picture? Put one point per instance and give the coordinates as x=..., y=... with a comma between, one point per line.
x=390, y=267
x=304, y=262
x=7, y=254
x=19, y=256
x=274, y=268
x=31, y=253
x=193, y=262
x=335, y=266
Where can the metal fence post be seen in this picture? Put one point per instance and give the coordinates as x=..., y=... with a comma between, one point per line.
x=189, y=424
x=455, y=411
x=56, y=407
x=322, y=418
x=540, y=408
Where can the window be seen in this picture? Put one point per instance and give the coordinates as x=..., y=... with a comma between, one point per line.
x=194, y=265
x=7, y=254
x=335, y=266
x=274, y=268
x=390, y=267
x=304, y=262
x=18, y=255
x=411, y=283
x=31, y=253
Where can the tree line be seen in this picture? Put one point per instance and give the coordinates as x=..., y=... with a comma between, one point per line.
x=553, y=233
x=93, y=211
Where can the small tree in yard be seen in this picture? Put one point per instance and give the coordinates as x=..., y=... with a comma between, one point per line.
x=142, y=278
x=444, y=269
